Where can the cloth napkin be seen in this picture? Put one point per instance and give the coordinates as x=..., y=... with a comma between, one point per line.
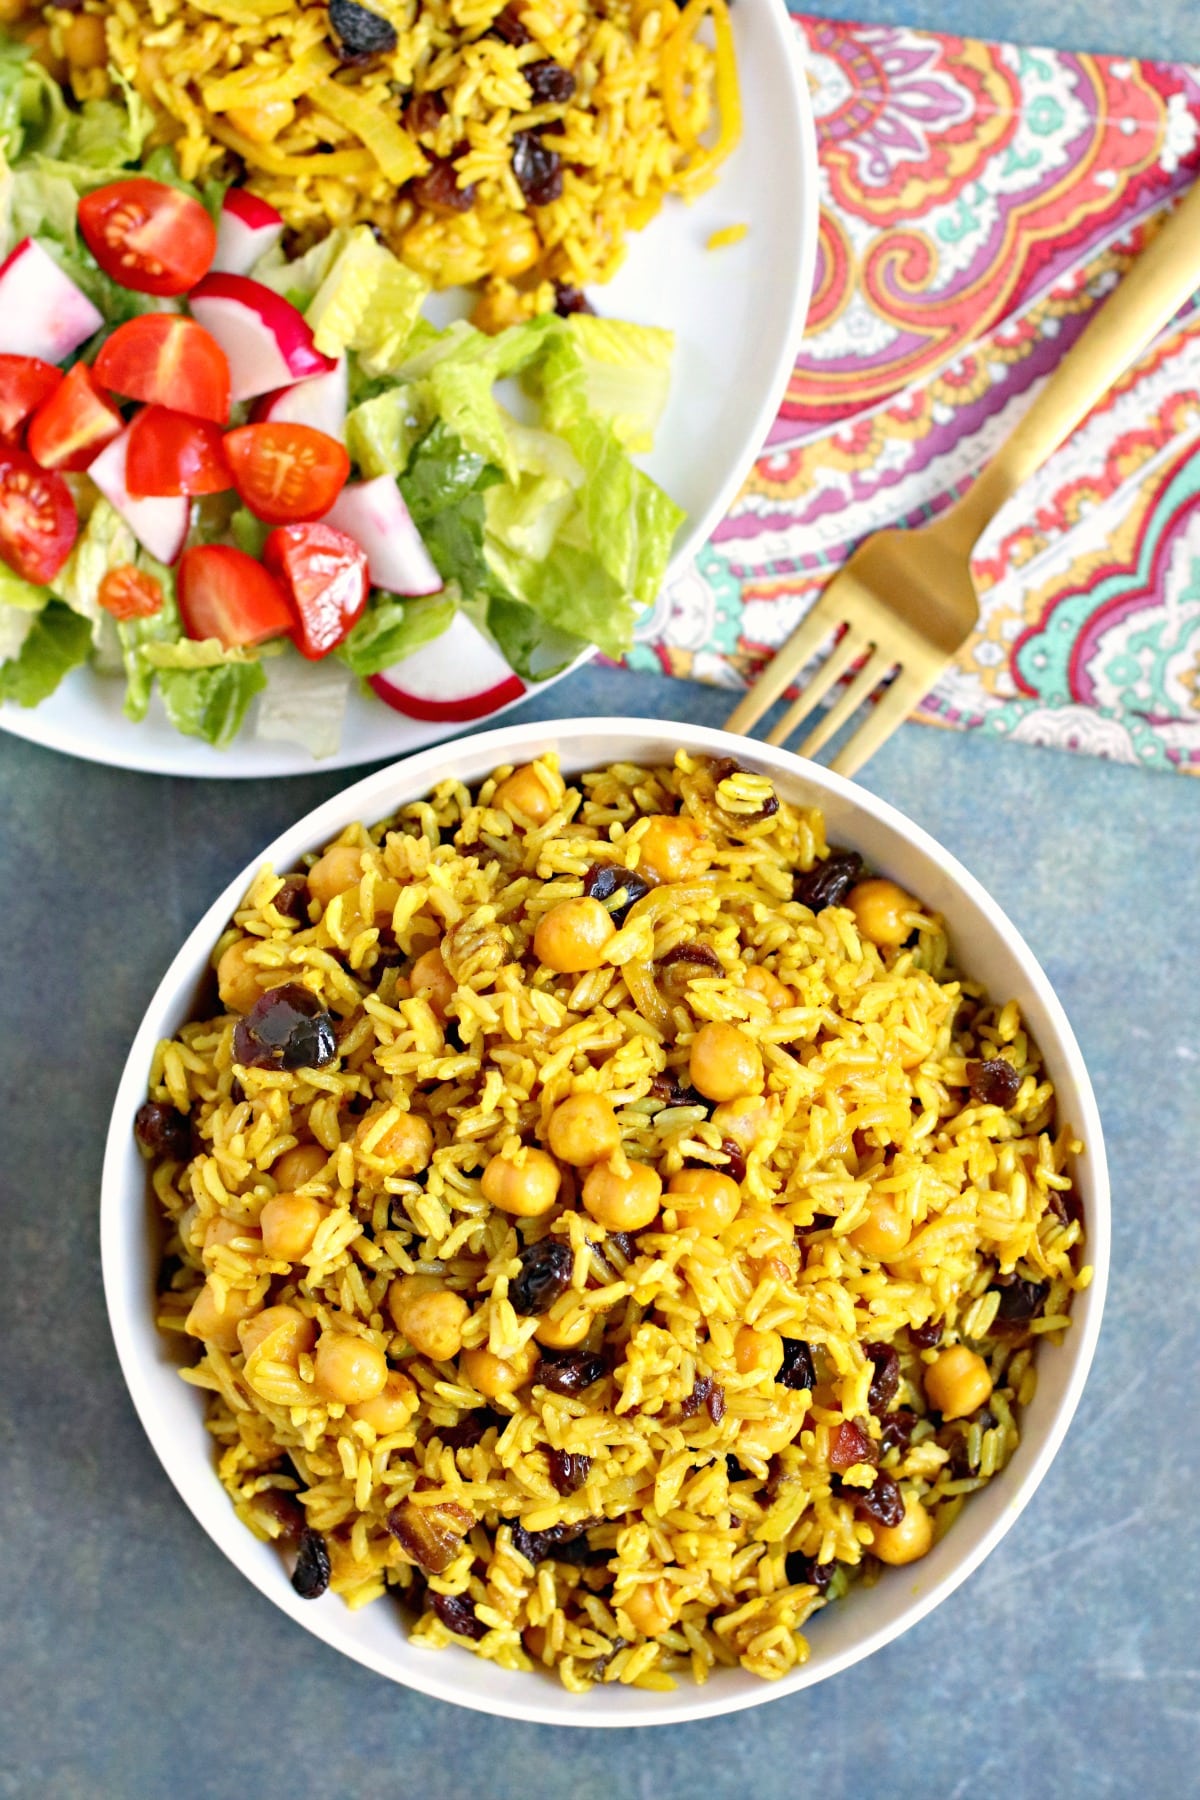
x=978, y=200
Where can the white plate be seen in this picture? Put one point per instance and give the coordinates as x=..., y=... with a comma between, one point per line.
x=737, y=313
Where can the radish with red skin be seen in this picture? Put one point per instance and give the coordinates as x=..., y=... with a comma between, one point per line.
x=458, y=677
x=160, y=525
x=246, y=230
x=373, y=513
x=321, y=401
x=265, y=339
x=42, y=312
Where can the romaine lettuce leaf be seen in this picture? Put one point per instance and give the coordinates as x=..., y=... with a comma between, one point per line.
x=105, y=543
x=304, y=703
x=381, y=431
x=367, y=302
x=57, y=642
x=626, y=374
x=15, y=626
x=535, y=649
x=33, y=113
x=137, y=635
x=23, y=595
x=444, y=487
x=392, y=629
x=210, y=703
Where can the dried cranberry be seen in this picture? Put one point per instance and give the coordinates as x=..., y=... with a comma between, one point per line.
x=470, y=1428
x=882, y=1503
x=797, y=1370
x=286, y=1028
x=691, y=953
x=993, y=1082
x=458, y=1615
x=828, y=882
x=545, y=1275
x=603, y=880
x=897, y=1429
x=424, y=113
x=886, y=1378
x=310, y=1577
x=568, y=300
x=924, y=1337
x=537, y=168
x=163, y=1131
x=358, y=33
x=439, y=188
x=508, y=25
x=850, y=1444
x=806, y=1571
x=291, y=902
x=571, y=1373
x=1020, y=1299
x=549, y=82
x=568, y=1471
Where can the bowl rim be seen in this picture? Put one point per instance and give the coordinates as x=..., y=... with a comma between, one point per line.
x=373, y=797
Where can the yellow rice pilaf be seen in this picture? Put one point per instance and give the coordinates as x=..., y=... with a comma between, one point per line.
x=642, y=102
x=709, y=1424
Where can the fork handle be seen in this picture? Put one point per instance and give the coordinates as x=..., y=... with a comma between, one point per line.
x=1163, y=278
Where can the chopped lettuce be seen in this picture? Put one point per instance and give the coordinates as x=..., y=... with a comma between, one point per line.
x=110, y=134
x=57, y=642
x=381, y=431
x=248, y=531
x=33, y=113
x=105, y=543
x=367, y=302
x=535, y=649
x=298, y=278
x=211, y=703
x=304, y=704
x=15, y=626
x=392, y=629
x=23, y=595
x=626, y=374
x=444, y=489
x=193, y=653
x=137, y=635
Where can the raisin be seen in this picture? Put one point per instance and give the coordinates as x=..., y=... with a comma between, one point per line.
x=691, y=953
x=538, y=169
x=623, y=1244
x=287, y=1512
x=163, y=1131
x=736, y=1160
x=827, y=883
x=882, y=1503
x=723, y=768
x=358, y=33
x=716, y=1403
x=850, y=1444
x=797, y=1370
x=310, y=1577
x=705, y=1393
x=568, y=1471
x=570, y=1374
x=458, y=1615
x=423, y=113
x=286, y=1028
x=897, y=1430
x=806, y=1571
x=734, y=1470
x=549, y=82
x=470, y=1428
x=388, y=954
x=431, y=1535
x=237, y=1092
x=291, y=902
x=540, y=1546
x=673, y=1092
x=439, y=188
x=545, y=1275
x=924, y=1337
x=1020, y=1300
x=568, y=300
x=993, y=1082
x=818, y=1222
x=886, y=1378
x=603, y=880
x=508, y=26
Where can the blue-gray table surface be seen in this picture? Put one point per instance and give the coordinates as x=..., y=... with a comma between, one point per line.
x=136, y=1663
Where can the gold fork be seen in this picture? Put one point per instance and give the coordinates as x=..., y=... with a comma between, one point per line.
x=905, y=600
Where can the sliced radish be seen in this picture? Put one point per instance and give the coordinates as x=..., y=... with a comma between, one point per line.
x=42, y=312
x=159, y=525
x=373, y=513
x=246, y=230
x=322, y=402
x=459, y=676
x=265, y=339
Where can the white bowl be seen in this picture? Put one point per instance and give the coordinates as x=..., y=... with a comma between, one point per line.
x=987, y=946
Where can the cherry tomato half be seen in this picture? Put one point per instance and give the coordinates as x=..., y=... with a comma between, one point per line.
x=25, y=381
x=129, y=593
x=167, y=361
x=38, y=521
x=171, y=454
x=325, y=572
x=224, y=593
x=71, y=428
x=286, y=474
x=148, y=236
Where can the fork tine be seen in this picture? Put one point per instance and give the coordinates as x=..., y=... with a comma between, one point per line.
x=893, y=707
x=845, y=652
x=787, y=662
x=873, y=671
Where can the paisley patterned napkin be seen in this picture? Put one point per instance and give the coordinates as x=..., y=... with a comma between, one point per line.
x=978, y=201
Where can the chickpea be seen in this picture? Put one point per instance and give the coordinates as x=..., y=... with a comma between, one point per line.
x=391, y=1409
x=534, y=1639
x=517, y=250
x=758, y=1352
x=768, y=987
x=298, y=1166
x=525, y=792
x=747, y=1120
x=883, y=1232
x=907, y=1541
x=648, y=1609
x=583, y=1129
x=429, y=1315
x=496, y=1375
x=240, y=981
x=349, y=1368
x=264, y=122
x=707, y=1200
x=572, y=937
x=673, y=849
x=526, y=1185
x=297, y=1333
x=432, y=981
x=216, y=1325
x=84, y=43
x=725, y=1062
x=339, y=869
x=405, y=1147
x=229, y=1231
x=564, y=1333
x=623, y=1202
x=880, y=911
x=290, y=1223
x=957, y=1382
x=762, y=1438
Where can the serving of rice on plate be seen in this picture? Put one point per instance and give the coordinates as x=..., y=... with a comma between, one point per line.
x=509, y=144
x=606, y=1223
